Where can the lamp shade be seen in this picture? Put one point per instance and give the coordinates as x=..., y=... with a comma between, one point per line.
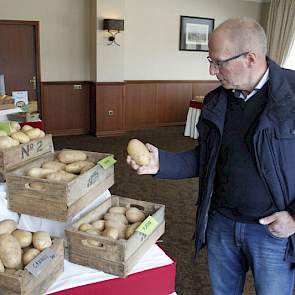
x=113, y=24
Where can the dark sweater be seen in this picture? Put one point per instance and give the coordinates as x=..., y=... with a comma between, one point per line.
x=239, y=193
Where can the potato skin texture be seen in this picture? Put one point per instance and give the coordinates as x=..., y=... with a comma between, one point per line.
x=138, y=152
x=10, y=251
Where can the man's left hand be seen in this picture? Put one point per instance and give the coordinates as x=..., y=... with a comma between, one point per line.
x=280, y=224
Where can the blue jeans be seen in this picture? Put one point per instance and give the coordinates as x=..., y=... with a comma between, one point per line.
x=233, y=247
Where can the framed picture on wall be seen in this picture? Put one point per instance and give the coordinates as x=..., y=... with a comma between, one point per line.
x=194, y=33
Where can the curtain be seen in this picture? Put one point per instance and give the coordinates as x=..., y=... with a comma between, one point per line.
x=280, y=30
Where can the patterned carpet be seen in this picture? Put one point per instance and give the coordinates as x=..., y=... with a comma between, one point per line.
x=179, y=197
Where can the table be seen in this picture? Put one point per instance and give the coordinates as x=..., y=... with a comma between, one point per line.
x=154, y=274
x=192, y=119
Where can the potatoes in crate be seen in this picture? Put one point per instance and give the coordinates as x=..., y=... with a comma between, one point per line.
x=118, y=223
x=18, y=247
x=64, y=168
x=17, y=135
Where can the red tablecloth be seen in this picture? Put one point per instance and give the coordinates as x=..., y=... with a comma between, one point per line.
x=156, y=281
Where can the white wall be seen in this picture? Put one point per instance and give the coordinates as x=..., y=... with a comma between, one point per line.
x=152, y=36
x=73, y=47
x=64, y=35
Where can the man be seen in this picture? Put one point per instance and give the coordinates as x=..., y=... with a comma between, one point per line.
x=246, y=163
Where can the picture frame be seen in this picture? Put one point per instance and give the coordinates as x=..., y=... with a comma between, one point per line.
x=194, y=33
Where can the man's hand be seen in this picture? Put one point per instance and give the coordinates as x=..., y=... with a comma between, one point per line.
x=280, y=224
x=153, y=166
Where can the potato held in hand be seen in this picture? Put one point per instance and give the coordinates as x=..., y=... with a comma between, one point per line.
x=139, y=152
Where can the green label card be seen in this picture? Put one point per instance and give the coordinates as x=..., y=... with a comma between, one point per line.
x=148, y=226
x=5, y=126
x=107, y=162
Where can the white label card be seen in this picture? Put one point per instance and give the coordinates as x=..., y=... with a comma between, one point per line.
x=36, y=266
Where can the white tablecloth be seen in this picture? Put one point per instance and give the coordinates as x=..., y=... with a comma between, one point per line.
x=192, y=119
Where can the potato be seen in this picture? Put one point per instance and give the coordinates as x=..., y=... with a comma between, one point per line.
x=1, y=266
x=134, y=215
x=55, y=165
x=29, y=255
x=118, y=209
x=85, y=226
x=116, y=217
x=93, y=231
x=42, y=134
x=26, y=128
x=138, y=152
x=120, y=227
x=77, y=167
x=131, y=229
x=23, y=237
x=14, y=126
x=37, y=172
x=70, y=156
x=98, y=224
x=41, y=240
x=7, y=226
x=10, y=251
x=6, y=142
x=20, y=137
x=111, y=233
x=33, y=133
x=61, y=176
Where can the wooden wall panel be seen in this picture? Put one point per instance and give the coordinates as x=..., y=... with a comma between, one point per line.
x=65, y=110
x=201, y=88
x=173, y=102
x=140, y=105
x=109, y=109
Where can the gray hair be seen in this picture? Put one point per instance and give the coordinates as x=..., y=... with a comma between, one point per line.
x=246, y=34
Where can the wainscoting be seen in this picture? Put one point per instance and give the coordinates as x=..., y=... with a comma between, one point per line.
x=111, y=108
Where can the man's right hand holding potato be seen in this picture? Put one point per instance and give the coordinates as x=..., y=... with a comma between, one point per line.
x=144, y=159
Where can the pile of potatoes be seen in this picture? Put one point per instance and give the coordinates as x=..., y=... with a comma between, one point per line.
x=18, y=247
x=67, y=165
x=18, y=135
x=117, y=223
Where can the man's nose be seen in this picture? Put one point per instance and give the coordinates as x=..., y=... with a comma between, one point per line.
x=213, y=69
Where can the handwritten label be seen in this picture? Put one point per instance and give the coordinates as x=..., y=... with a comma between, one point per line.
x=31, y=148
x=36, y=266
x=107, y=162
x=93, y=178
x=147, y=226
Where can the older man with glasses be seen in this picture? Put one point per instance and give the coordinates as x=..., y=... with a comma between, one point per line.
x=246, y=163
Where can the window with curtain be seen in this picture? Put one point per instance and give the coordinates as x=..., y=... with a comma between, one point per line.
x=290, y=60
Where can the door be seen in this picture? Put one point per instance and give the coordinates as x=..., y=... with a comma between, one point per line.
x=19, y=57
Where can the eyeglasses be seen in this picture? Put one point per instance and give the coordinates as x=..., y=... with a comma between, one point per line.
x=220, y=63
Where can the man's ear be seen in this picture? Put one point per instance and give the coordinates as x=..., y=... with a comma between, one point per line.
x=251, y=58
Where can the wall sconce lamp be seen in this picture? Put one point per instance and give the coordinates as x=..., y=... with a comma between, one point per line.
x=113, y=26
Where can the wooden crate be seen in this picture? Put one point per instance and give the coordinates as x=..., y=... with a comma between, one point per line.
x=113, y=256
x=21, y=282
x=56, y=200
x=13, y=157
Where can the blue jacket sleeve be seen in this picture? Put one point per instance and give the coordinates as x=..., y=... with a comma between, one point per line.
x=179, y=165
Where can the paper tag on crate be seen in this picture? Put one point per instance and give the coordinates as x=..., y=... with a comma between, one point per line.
x=107, y=162
x=148, y=226
x=36, y=266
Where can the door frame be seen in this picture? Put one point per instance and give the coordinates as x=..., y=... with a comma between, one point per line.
x=35, y=24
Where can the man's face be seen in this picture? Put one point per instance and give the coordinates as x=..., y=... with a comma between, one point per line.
x=232, y=74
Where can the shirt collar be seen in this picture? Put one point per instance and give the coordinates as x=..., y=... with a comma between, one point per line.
x=259, y=85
